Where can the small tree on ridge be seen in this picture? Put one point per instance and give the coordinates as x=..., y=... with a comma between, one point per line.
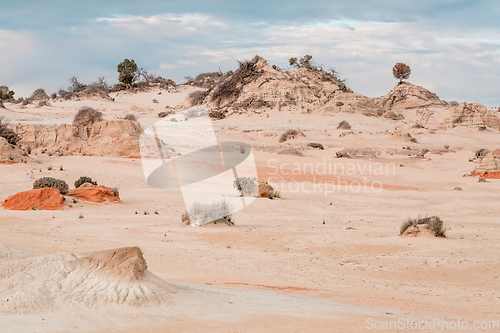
x=128, y=71
x=401, y=71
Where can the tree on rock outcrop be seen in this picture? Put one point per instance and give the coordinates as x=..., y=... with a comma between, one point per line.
x=128, y=71
x=304, y=62
x=401, y=71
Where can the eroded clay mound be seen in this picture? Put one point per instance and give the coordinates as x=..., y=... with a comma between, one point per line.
x=256, y=85
x=95, y=194
x=409, y=96
x=42, y=199
x=103, y=138
x=9, y=153
x=490, y=166
x=31, y=283
x=472, y=115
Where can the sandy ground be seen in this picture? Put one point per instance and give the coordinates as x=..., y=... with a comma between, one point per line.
x=316, y=260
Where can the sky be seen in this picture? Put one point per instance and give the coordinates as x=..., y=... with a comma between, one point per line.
x=452, y=47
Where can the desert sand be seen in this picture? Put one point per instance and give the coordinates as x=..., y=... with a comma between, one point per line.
x=319, y=259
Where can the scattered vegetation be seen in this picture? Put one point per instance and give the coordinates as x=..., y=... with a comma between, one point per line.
x=59, y=184
x=273, y=194
x=114, y=190
x=86, y=116
x=316, y=145
x=83, y=180
x=9, y=135
x=344, y=125
x=304, y=62
x=39, y=95
x=197, y=97
x=290, y=134
x=401, y=71
x=245, y=185
x=342, y=154
x=433, y=223
x=205, y=213
x=481, y=153
x=130, y=117
x=163, y=114
x=233, y=85
x=291, y=151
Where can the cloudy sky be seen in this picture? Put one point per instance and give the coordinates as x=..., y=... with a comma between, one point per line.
x=452, y=46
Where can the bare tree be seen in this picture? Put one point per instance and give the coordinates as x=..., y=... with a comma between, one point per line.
x=401, y=71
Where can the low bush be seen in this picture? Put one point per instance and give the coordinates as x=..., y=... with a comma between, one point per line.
x=316, y=145
x=342, y=154
x=86, y=116
x=344, y=125
x=197, y=97
x=200, y=214
x=245, y=185
x=163, y=114
x=39, y=95
x=290, y=134
x=290, y=151
x=58, y=184
x=273, y=194
x=433, y=223
x=7, y=133
x=130, y=117
x=83, y=180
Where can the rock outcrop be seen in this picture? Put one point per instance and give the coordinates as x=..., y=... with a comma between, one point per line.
x=95, y=194
x=264, y=190
x=10, y=153
x=408, y=96
x=472, y=115
x=42, y=199
x=490, y=166
x=256, y=85
x=103, y=138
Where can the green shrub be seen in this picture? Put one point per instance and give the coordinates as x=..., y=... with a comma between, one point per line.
x=128, y=71
x=58, y=184
x=6, y=93
x=83, y=180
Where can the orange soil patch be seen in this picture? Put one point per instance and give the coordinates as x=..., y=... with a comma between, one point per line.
x=43, y=199
x=488, y=174
x=277, y=174
x=9, y=162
